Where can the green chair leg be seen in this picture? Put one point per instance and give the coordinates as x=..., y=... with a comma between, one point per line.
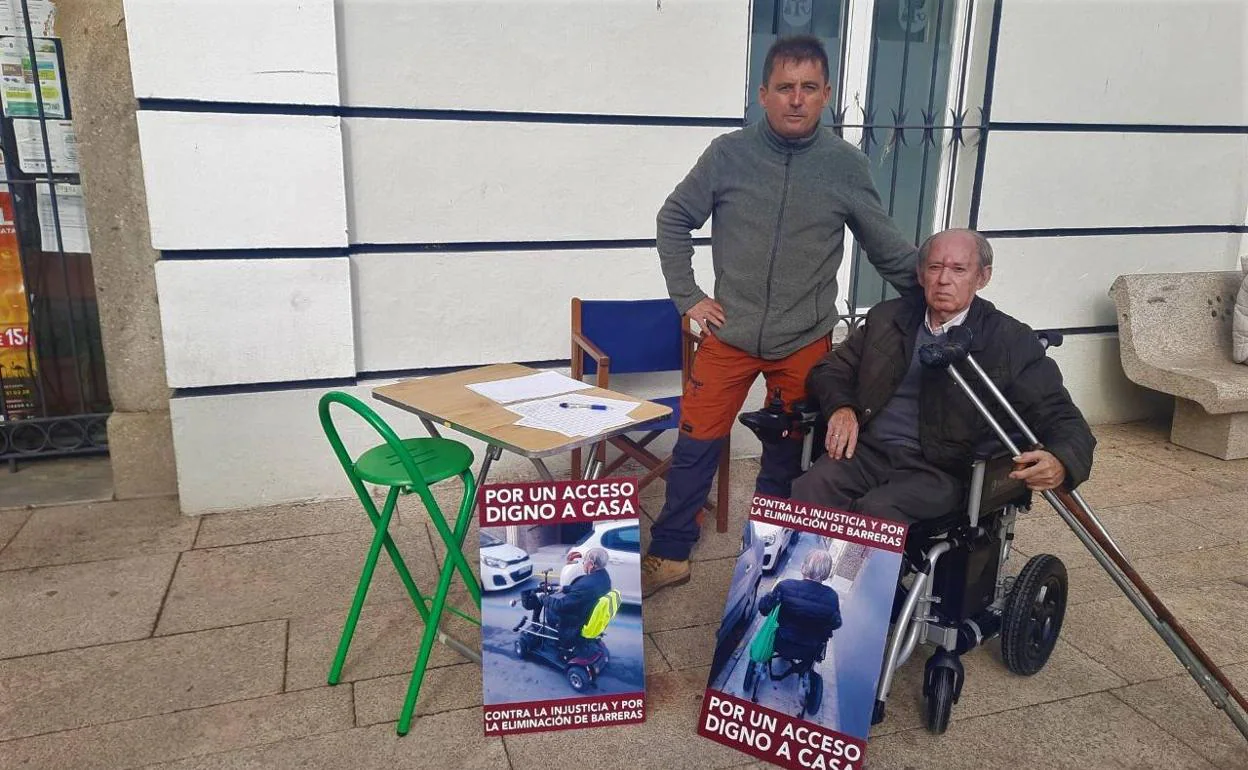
x=453, y=539
x=455, y=560
x=380, y=535
x=426, y=647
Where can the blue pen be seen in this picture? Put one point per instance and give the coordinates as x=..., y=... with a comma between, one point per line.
x=599, y=407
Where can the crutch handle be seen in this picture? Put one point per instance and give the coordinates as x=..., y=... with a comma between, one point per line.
x=954, y=348
x=1050, y=339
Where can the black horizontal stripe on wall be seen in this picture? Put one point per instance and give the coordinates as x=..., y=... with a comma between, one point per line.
x=278, y=253
x=345, y=382
x=1074, y=232
x=405, y=248
x=1075, y=331
x=1117, y=128
x=408, y=113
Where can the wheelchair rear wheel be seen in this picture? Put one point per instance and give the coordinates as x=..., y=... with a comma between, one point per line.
x=1033, y=614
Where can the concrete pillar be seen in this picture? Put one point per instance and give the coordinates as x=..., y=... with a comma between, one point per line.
x=97, y=61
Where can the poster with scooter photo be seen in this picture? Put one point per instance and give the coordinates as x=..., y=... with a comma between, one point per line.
x=802, y=640
x=561, y=638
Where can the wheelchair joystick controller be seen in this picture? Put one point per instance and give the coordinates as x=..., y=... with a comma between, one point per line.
x=775, y=423
x=772, y=423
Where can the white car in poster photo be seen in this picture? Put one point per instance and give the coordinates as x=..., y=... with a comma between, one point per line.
x=776, y=541
x=502, y=566
x=622, y=541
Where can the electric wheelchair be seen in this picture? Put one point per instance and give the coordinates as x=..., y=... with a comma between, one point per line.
x=953, y=591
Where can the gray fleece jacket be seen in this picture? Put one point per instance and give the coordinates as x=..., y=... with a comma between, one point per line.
x=779, y=211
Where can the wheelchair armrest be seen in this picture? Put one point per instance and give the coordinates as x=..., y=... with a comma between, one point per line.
x=991, y=448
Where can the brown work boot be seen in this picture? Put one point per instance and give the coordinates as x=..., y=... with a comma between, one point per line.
x=657, y=573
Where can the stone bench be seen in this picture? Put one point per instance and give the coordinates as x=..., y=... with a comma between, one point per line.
x=1175, y=335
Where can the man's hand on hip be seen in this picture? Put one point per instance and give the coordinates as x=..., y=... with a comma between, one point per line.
x=1043, y=472
x=842, y=435
x=707, y=313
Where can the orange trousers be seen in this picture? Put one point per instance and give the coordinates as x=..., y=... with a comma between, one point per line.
x=721, y=380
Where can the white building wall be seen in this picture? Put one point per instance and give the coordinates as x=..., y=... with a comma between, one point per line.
x=412, y=168
x=1117, y=146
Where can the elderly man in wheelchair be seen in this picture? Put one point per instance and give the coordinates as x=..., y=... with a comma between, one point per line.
x=905, y=442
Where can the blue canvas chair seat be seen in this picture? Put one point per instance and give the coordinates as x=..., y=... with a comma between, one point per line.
x=632, y=337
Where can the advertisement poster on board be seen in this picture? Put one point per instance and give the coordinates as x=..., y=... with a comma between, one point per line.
x=561, y=638
x=17, y=359
x=801, y=643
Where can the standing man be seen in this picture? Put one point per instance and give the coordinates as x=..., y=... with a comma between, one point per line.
x=781, y=192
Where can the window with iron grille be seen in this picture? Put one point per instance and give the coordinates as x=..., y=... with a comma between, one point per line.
x=55, y=397
x=905, y=75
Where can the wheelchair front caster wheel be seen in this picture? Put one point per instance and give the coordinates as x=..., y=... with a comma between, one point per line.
x=1033, y=614
x=939, y=703
x=877, y=712
x=750, y=685
x=814, y=693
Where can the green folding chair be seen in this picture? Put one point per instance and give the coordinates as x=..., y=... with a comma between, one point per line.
x=406, y=466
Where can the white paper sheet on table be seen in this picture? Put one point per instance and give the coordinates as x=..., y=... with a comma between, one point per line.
x=547, y=414
x=529, y=386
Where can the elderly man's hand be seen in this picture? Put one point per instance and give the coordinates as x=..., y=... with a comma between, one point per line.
x=842, y=435
x=1043, y=471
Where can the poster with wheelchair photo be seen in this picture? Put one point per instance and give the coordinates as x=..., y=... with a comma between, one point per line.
x=561, y=638
x=800, y=647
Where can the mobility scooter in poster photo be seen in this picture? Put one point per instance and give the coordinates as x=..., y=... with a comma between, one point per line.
x=582, y=660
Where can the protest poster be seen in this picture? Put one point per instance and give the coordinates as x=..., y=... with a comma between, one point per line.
x=802, y=640
x=561, y=638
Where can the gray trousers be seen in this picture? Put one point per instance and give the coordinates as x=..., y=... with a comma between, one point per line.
x=886, y=482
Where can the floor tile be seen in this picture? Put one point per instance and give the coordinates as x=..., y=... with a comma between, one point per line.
x=444, y=689
x=281, y=522
x=57, y=481
x=1115, y=634
x=1094, y=731
x=1226, y=474
x=191, y=733
x=97, y=685
x=1140, y=530
x=99, y=531
x=1122, y=477
x=285, y=578
x=1181, y=708
x=688, y=647
x=696, y=603
x=449, y=740
x=78, y=605
x=10, y=523
x=990, y=688
x=386, y=641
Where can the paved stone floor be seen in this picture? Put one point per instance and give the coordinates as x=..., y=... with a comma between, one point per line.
x=132, y=636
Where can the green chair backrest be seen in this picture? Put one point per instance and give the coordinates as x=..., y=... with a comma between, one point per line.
x=379, y=425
